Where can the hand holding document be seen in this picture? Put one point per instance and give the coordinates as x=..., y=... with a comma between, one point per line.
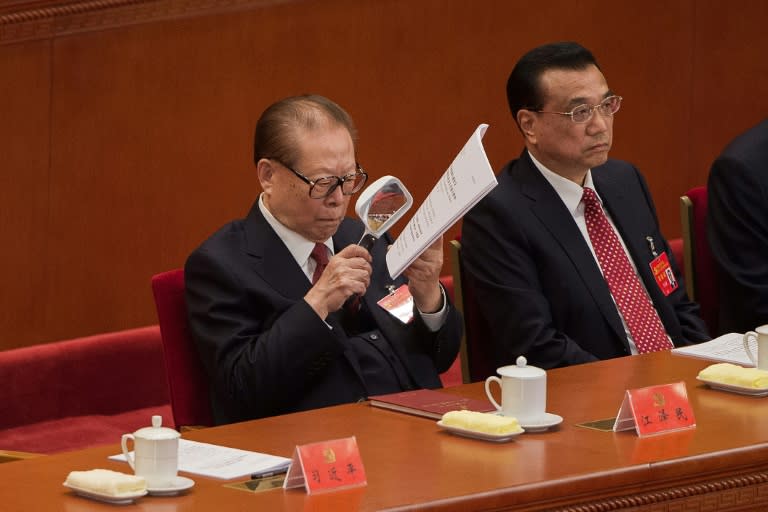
x=468, y=179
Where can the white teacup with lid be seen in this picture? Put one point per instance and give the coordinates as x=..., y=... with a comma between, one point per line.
x=156, y=453
x=760, y=335
x=523, y=391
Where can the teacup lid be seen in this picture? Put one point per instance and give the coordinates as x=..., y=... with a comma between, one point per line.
x=156, y=431
x=521, y=370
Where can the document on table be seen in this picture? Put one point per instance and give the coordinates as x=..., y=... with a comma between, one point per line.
x=222, y=462
x=728, y=348
x=468, y=179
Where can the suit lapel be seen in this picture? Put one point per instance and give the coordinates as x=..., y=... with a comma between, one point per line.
x=553, y=214
x=633, y=232
x=271, y=258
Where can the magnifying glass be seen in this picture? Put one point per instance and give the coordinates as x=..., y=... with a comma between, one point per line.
x=380, y=205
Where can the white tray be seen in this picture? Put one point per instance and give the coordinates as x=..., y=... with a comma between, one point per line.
x=741, y=390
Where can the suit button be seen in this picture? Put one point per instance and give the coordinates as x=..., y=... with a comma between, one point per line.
x=374, y=337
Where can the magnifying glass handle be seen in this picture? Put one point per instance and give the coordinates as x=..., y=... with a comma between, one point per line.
x=367, y=241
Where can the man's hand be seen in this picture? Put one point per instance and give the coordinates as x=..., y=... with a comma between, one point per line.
x=348, y=273
x=424, y=278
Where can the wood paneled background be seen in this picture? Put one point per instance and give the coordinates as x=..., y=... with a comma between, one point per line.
x=126, y=125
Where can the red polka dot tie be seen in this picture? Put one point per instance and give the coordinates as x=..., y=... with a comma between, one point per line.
x=320, y=255
x=634, y=304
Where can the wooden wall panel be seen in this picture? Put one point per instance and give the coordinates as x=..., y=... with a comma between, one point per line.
x=729, y=93
x=24, y=136
x=152, y=108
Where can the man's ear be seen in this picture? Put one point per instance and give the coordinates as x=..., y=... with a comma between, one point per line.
x=527, y=122
x=265, y=171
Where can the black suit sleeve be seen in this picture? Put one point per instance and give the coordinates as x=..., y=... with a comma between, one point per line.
x=504, y=272
x=738, y=236
x=249, y=343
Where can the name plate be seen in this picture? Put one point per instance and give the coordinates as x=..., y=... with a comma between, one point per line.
x=326, y=466
x=655, y=410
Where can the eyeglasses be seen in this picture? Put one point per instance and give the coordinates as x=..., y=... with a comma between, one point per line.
x=583, y=113
x=325, y=186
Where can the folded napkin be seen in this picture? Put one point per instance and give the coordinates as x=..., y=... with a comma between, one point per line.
x=105, y=481
x=482, y=422
x=727, y=373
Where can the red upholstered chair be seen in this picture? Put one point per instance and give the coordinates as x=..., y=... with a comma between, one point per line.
x=187, y=381
x=678, y=251
x=701, y=277
x=73, y=394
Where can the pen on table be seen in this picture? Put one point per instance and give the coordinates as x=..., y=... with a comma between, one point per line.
x=267, y=474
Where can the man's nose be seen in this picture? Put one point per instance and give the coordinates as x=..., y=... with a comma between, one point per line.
x=335, y=197
x=597, y=123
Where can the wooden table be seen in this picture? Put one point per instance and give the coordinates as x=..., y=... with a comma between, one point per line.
x=411, y=464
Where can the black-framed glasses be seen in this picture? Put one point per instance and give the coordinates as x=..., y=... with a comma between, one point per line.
x=583, y=113
x=325, y=186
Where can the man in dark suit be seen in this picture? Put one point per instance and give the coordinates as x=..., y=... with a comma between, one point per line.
x=565, y=255
x=737, y=229
x=271, y=297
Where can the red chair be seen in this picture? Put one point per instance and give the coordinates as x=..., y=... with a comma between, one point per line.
x=701, y=277
x=73, y=394
x=187, y=380
x=678, y=251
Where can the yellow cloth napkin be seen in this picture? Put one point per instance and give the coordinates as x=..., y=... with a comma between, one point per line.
x=482, y=422
x=105, y=481
x=727, y=373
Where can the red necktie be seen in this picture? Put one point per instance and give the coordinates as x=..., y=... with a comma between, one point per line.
x=634, y=304
x=320, y=255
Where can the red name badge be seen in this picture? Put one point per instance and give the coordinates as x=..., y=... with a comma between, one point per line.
x=399, y=303
x=655, y=410
x=665, y=278
x=326, y=466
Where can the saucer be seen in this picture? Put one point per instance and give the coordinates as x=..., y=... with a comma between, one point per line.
x=180, y=484
x=115, y=499
x=546, y=422
x=733, y=388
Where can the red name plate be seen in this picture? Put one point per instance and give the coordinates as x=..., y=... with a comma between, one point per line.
x=655, y=410
x=326, y=466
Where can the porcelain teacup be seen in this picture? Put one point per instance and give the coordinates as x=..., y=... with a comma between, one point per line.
x=156, y=453
x=523, y=391
x=760, y=334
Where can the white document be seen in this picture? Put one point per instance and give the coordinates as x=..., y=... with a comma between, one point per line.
x=728, y=348
x=222, y=462
x=468, y=179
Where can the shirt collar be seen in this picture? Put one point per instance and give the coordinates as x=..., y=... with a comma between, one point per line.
x=299, y=247
x=570, y=193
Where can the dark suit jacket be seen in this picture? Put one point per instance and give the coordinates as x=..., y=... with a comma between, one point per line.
x=737, y=224
x=266, y=350
x=537, y=284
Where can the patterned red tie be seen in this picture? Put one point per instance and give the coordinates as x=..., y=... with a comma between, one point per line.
x=634, y=304
x=320, y=255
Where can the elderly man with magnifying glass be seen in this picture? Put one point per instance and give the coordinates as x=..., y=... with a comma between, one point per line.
x=266, y=295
